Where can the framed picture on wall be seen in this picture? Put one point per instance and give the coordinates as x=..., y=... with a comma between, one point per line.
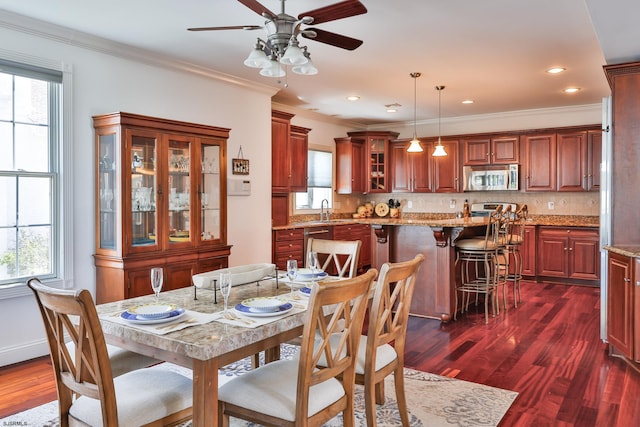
x=240, y=166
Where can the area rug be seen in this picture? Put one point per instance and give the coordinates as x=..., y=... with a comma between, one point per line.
x=433, y=401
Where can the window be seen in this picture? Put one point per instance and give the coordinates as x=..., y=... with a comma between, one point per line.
x=30, y=114
x=319, y=185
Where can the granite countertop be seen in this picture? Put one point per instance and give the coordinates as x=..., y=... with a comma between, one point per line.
x=442, y=220
x=632, y=251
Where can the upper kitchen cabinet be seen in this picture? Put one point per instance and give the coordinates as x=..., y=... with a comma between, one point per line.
x=540, y=162
x=491, y=150
x=410, y=172
x=289, y=145
x=624, y=80
x=376, y=149
x=160, y=202
x=446, y=169
x=350, y=166
x=579, y=156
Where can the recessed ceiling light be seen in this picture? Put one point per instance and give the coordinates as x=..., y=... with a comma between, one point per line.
x=556, y=70
x=353, y=97
x=571, y=90
x=468, y=101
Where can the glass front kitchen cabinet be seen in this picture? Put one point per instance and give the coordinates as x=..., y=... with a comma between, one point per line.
x=161, y=202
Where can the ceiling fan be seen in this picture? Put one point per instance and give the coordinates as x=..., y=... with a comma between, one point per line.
x=282, y=32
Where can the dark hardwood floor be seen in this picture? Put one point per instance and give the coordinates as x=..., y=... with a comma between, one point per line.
x=548, y=350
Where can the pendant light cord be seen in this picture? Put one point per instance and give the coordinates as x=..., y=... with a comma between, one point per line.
x=415, y=76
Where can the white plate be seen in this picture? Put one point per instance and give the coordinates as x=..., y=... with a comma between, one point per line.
x=248, y=311
x=264, y=304
x=305, y=275
x=152, y=311
x=133, y=318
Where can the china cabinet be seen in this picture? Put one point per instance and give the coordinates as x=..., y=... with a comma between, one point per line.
x=160, y=202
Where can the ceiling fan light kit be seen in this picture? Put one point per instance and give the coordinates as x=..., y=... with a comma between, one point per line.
x=282, y=46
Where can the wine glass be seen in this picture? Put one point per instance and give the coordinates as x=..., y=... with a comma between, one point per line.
x=292, y=272
x=312, y=263
x=225, y=287
x=156, y=281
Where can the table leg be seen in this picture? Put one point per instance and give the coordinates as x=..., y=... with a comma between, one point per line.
x=205, y=393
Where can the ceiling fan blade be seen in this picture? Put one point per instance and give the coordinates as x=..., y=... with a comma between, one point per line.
x=335, y=11
x=257, y=8
x=232, y=27
x=333, y=39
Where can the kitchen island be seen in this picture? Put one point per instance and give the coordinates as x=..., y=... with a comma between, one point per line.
x=435, y=236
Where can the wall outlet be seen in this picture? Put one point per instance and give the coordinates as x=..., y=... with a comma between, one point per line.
x=452, y=203
x=551, y=206
x=409, y=204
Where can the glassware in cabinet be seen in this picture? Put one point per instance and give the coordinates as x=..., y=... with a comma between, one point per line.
x=144, y=177
x=210, y=192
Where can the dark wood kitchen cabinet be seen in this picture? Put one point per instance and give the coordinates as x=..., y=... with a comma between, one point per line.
x=350, y=166
x=540, y=162
x=578, y=163
x=410, y=172
x=491, y=150
x=289, y=145
x=446, y=169
x=288, y=244
x=569, y=253
x=375, y=161
x=528, y=251
x=623, y=306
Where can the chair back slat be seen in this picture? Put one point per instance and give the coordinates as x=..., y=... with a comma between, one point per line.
x=339, y=257
x=391, y=302
x=332, y=338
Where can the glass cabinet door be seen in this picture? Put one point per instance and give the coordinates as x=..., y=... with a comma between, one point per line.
x=377, y=165
x=179, y=219
x=143, y=155
x=109, y=193
x=210, y=192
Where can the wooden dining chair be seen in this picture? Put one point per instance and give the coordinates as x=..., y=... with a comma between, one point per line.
x=88, y=394
x=295, y=392
x=336, y=257
x=381, y=351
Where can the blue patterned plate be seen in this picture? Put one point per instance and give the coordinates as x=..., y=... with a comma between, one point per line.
x=306, y=291
x=264, y=304
x=152, y=311
x=305, y=275
x=250, y=311
x=134, y=318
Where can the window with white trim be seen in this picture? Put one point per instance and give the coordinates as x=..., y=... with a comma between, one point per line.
x=319, y=183
x=30, y=129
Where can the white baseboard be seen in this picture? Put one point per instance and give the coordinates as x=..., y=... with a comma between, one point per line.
x=22, y=352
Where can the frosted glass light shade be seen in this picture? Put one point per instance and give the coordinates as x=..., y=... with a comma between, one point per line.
x=307, y=69
x=273, y=69
x=257, y=59
x=439, y=151
x=293, y=56
x=414, y=146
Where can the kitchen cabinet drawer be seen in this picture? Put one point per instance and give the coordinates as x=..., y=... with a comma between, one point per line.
x=293, y=234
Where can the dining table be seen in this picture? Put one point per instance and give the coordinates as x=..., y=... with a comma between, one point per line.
x=203, y=339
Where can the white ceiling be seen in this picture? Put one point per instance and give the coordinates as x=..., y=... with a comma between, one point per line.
x=492, y=51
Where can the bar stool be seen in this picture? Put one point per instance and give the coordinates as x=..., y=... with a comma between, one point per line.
x=482, y=270
x=512, y=250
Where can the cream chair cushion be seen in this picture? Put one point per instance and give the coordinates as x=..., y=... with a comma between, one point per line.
x=150, y=394
x=475, y=245
x=123, y=361
x=271, y=390
x=385, y=354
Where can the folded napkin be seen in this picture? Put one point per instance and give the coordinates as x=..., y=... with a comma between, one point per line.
x=190, y=318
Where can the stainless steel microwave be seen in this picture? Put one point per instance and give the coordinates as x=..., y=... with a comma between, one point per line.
x=491, y=178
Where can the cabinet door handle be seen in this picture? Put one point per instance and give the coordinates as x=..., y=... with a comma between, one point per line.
x=627, y=280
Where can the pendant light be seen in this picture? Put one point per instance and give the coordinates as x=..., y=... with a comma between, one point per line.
x=439, y=151
x=414, y=145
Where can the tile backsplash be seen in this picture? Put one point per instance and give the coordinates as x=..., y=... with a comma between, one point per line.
x=552, y=203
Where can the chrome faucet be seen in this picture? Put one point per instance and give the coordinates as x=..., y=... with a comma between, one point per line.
x=324, y=214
